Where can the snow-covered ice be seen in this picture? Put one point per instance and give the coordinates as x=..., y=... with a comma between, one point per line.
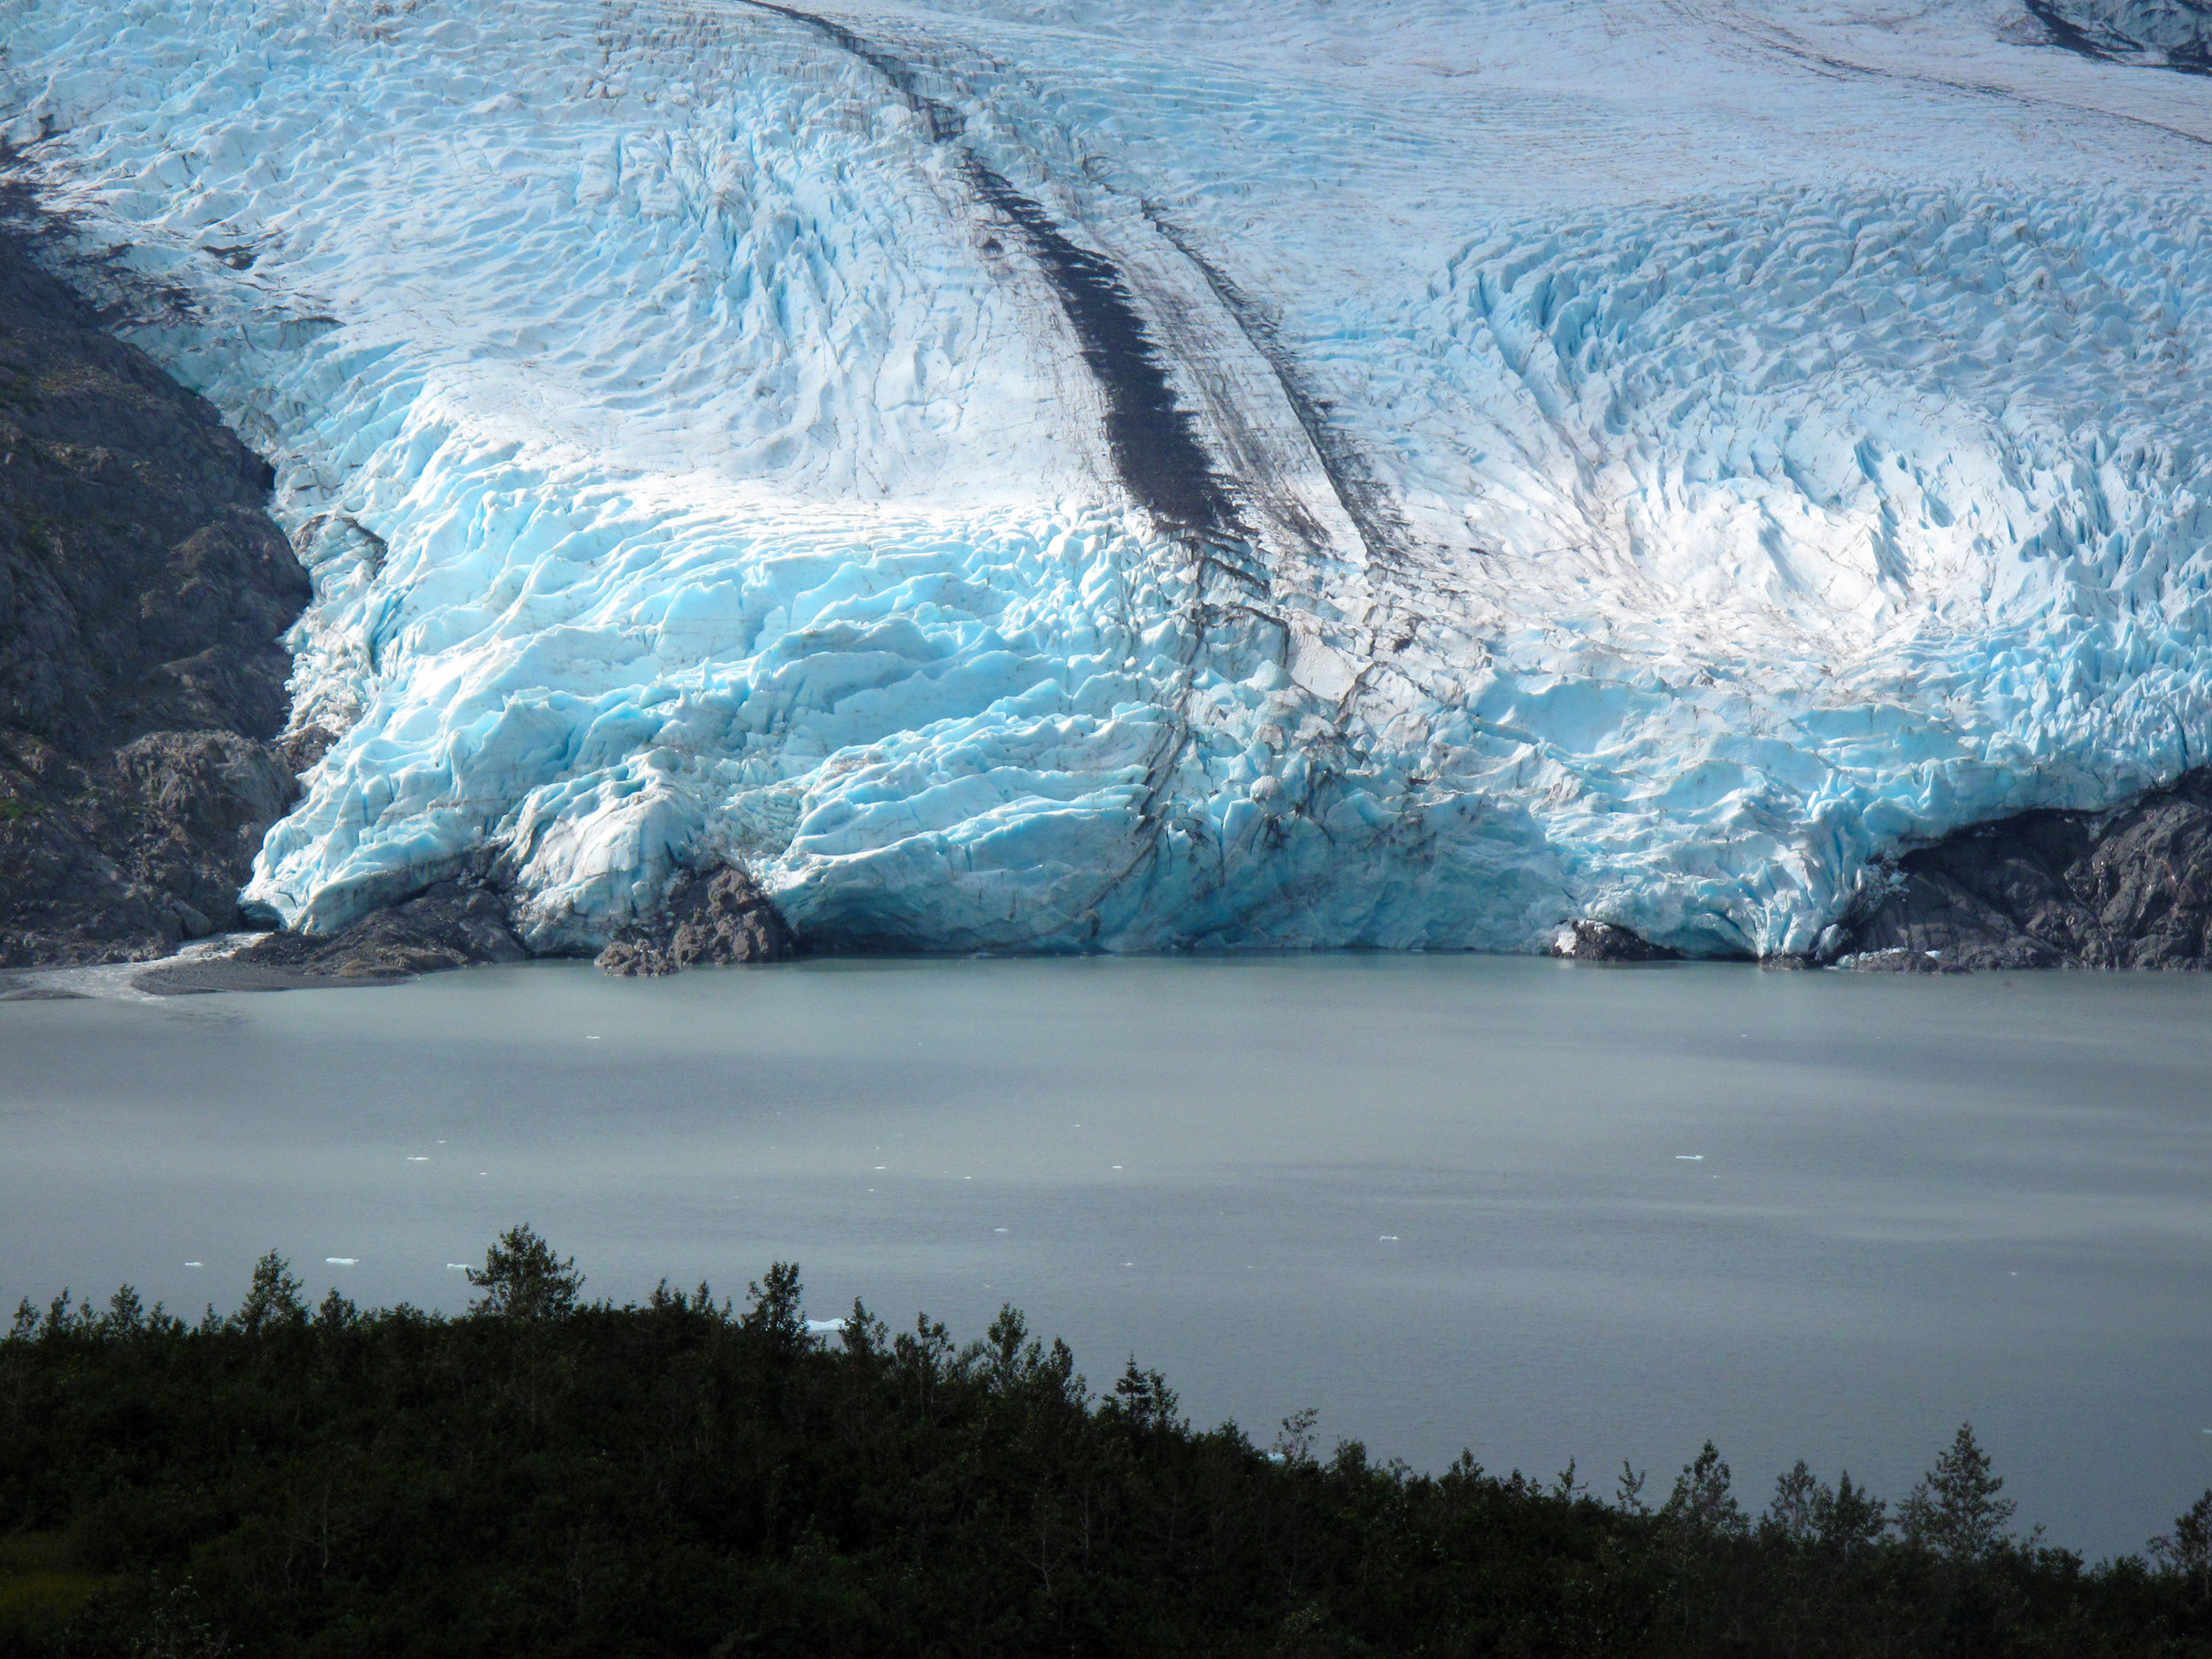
x=1666, y=455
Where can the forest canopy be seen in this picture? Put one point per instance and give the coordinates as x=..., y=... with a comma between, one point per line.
x=546, y=1475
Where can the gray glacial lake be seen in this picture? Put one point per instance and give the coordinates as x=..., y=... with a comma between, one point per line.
x=1537, y=1210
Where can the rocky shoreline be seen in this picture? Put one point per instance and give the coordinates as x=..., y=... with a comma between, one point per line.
x=716, y=919
x=2127, y=888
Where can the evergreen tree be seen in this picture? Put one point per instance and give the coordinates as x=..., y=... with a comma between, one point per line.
x=1796, y=1495
x=274, y=1299
x=1701, y=1500
x=673, y=1479
x=523, y=1279
x=1850, y=1518
x=2186, y=1551
x=777, y=1313
x=1955, y=1510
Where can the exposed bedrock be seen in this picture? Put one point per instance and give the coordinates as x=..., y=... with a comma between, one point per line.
x=457, y=923
x=143, y=589
x=2158, y=34
x=1588, y=941
x=2129, y=887
x=710, y=920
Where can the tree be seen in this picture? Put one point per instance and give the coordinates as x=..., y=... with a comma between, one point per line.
x=337, y=1312
x=777, y=1313
x=1796, y=1497
x=1003, y=1349
x=274, y=1299
x=1842, y=1518
x=523, y=1279
x=863, y=1334
x=1294, y=1441
x=1955, y=1510
x=1143, y=1399
x=2186, y=1551
x=1701, y=1500
x=1850, y=1518
x=126, y=1313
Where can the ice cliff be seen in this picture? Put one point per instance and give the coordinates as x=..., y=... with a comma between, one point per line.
x=1100, y=473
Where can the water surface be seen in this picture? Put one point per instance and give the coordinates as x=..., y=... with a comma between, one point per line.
x=1537, y=1210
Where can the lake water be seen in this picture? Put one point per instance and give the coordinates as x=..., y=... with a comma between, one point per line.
x=1534, y=1209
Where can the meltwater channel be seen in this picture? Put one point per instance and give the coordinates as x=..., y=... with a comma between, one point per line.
x=1537, y=1210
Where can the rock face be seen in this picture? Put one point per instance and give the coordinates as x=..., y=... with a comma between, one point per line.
x=460, y=924
x=712, y=920
x=1601, y=942
x=2131, y=887
x=143, y=592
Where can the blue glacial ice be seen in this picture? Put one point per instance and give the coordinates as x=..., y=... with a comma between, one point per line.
x=1675, y=454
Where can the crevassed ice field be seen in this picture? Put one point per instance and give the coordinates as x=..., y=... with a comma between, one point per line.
x=1520, y=461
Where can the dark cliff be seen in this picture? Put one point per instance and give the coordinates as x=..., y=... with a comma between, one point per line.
x=143, y=590
x=2130, y=887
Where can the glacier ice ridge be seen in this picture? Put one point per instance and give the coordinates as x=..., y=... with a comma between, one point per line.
x=1652, y=466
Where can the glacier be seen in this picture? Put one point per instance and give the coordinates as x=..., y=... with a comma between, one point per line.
x=1085, y=474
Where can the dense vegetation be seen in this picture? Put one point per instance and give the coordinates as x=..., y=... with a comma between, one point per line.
x=550, y=1477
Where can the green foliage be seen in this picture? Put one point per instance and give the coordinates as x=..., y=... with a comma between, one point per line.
x=273, y=1301
x=1955, y=1510
x=2186, y=1552
x=522, y=1278
x=1701, y=1502
x=548, y=1477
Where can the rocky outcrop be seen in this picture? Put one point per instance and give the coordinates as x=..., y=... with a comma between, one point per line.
x=2159, y=33
x=2129, y=887
x=712, y=919
x=1587, y=940
x=143, y=590
x=459, y=924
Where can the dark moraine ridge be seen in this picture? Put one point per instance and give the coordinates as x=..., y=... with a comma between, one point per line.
x=1155, y=445
x=2127, y=888
x=1365, y=501
x=143, y=588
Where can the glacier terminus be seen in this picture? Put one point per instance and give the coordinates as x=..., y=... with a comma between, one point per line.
x=1047, y=475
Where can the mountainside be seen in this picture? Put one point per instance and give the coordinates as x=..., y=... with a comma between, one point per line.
x=2163, y=34
x=142, y=590
x=1063, y=473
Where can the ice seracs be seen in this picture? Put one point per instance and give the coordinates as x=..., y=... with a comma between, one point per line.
x=1664, y=459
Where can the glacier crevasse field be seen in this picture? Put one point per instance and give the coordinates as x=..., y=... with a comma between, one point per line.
x=1641, y=462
